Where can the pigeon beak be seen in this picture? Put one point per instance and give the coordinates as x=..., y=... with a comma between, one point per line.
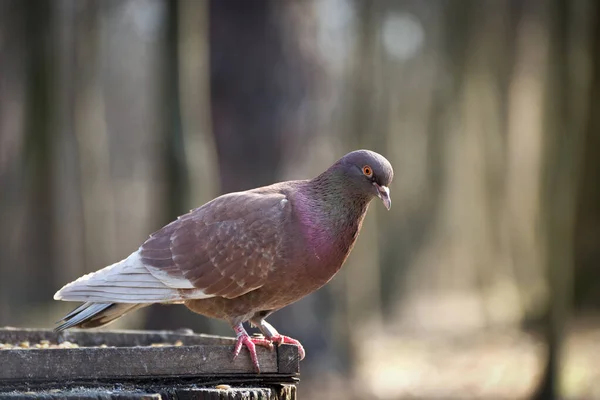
x=383, y=192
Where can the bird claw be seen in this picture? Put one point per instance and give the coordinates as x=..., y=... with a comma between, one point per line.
x=243, y=339
x=281, y=339
x=272, y=336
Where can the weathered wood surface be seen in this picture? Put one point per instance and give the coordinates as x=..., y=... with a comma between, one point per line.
x=80, y=395
x=131, y=368
x=125, y=338
x=285, y=392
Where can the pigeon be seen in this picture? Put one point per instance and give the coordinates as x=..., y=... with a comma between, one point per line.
x=243, y=255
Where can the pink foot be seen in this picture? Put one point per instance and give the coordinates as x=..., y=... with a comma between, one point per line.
x=281, y=339
x=243, y=339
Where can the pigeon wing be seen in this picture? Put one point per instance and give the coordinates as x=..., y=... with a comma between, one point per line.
x=225, y=248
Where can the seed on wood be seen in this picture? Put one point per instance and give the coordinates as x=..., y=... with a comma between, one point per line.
x=223, y=387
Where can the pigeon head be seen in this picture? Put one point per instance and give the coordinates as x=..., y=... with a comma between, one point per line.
x=367, y=173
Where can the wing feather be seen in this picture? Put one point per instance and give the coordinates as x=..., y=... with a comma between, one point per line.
x=226, y=248
x=128, y=281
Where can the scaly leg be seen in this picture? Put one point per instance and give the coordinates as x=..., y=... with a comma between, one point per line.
x=243, y=339
x=272, y=334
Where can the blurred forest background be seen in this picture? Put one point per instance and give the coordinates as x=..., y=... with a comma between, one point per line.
x=481, y=282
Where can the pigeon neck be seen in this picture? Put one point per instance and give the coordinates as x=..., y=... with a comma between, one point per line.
x=332, y=215
x=335, y=197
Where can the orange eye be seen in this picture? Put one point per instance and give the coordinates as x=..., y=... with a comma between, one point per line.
x=368, y=171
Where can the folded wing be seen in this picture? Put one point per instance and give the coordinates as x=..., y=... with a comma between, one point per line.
x=225, y=248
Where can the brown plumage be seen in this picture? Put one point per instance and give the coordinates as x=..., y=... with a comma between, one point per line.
x=243, y=255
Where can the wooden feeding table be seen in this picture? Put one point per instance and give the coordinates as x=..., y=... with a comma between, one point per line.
x=124, y=365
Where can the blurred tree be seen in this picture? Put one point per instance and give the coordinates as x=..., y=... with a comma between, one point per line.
x=587, y=235
x=256, y=83
x=13, y=94
x=27, y=196
x=565, y=119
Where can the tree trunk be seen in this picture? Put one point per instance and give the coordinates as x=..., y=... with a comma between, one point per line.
x=562, y=154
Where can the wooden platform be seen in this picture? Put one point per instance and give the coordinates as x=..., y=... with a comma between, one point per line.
x=139, y=365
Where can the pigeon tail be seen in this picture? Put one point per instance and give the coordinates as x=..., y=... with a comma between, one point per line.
x=130, y=281
x=93, y=315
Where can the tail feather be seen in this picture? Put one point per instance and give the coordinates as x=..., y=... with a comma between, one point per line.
x=93, y=315
x=130, y=281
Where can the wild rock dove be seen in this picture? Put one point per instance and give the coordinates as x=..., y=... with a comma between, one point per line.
x=243, y=255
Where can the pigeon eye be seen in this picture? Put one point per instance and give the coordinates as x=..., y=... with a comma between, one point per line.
x=367, y=171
